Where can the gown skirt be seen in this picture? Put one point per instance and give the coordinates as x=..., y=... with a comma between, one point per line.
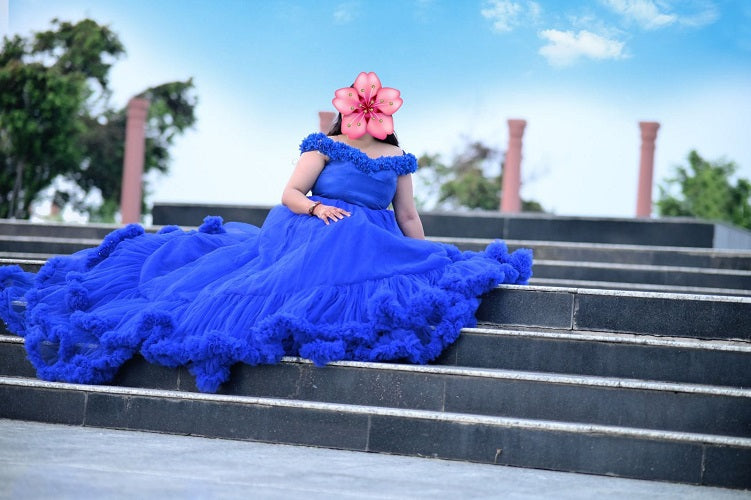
x=233, y=293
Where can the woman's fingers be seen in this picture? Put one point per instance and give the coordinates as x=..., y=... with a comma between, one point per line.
x=328, y=213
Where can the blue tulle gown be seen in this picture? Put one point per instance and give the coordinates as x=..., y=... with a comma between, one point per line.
x=232, y=293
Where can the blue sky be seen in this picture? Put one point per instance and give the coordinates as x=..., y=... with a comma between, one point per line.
x=581, y=73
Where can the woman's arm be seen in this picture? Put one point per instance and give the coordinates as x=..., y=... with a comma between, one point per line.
x=309, y=167
x=405, y=209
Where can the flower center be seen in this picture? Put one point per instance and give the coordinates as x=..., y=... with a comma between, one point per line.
x=369, y=106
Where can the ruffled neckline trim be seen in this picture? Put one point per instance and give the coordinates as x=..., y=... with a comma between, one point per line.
x=404, y=164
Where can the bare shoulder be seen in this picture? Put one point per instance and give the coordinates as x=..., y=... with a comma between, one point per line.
x=313, y=158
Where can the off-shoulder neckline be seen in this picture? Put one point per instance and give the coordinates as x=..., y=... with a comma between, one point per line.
x=401, y=164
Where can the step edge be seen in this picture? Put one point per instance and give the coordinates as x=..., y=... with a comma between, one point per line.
x=561, y=283
x=642, y=267
x=604, y=337
x=94, y=242
x=543, y=377
x=530, y=424
x=10, y=262
x=720, y=252
x=620, y=338
x=626, y=293
x=538, y=377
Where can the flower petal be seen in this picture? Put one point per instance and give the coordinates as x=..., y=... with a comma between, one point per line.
x=367, y=85
x=354, y=125
x=388, y=100
x=380, y=125
x=346, y=101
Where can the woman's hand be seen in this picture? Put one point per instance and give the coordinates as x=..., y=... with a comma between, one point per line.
x=329, y=213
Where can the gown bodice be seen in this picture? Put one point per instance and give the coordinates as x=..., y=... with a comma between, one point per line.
x=341, y=180
x=352, y=176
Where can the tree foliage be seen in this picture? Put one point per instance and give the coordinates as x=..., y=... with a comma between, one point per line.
x=472, y=180
x=56, y=122
x=705, y=190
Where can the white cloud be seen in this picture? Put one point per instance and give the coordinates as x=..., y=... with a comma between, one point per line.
x=707, y=15
x=344, y=13
x=566, y=47
x=655, y=14
x=534, y=11
x=643, y=12
x=507, y=15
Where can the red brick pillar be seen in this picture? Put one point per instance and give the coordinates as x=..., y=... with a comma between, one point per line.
x=326, y=120
x=646, y=168
x=511, y=202
x=135, y=147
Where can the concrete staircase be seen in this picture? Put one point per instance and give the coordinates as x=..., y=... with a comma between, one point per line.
x=613, y=380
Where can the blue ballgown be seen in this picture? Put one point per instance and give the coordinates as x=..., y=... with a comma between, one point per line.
x=228, y=293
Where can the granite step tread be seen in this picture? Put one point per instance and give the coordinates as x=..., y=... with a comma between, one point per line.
x=93, y=242
x=698, y=458
x=741, y=346
x=607, y=354
x=693, y=437
x=598, y=246
x=32, y=262
x=36, y=256
x=577, y=398
x=607, y=310
x=646, y=357
x=643, y=267
x=624, y=311
x=502, y=374
x=636, y=287
x=644, y=274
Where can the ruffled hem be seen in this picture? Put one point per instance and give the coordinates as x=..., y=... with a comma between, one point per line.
x=405, y=164
x=158, y=295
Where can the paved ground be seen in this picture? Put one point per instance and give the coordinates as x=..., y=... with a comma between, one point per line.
x=57, y=461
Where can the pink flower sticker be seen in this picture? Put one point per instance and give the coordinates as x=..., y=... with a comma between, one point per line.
x=367, y=107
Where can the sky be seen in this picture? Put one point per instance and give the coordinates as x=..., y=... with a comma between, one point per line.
x=582, y=74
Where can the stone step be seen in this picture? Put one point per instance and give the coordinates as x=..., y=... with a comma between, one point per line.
x=45, y=244
x=52, y=235
x=643, y=287
x=11, y=256
x=551, y=273
x=681, y=232
x=663, y=359
x=667, y=359
x=641, y=273
x=511, y=393
x=27, y=264
x=15, y=227
x=697, y=458
x=647, y=313
x=620, y=254
x=33, y=262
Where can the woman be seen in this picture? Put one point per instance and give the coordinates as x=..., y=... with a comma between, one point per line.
x=331, y=276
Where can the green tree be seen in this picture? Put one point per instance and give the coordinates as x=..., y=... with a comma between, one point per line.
x=39, y=121
x=469, y=181
x=56, y=121
x=705, y=190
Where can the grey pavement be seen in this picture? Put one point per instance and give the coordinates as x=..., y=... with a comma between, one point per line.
x=57, y=461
